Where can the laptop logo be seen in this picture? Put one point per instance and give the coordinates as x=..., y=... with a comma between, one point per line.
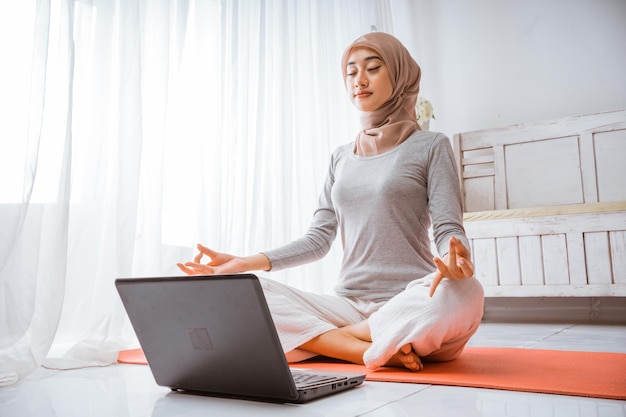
x=200, y=338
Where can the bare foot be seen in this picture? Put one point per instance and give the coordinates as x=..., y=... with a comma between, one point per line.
x=349, y=343
x=406, y=358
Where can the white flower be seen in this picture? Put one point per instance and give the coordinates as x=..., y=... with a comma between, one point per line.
x=423, y=110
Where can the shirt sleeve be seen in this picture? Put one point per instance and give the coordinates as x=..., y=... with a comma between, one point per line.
x=444, y=195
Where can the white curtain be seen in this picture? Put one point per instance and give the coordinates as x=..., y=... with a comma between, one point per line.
x=132, y=130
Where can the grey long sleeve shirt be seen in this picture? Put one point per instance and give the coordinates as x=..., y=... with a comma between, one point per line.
x=383, y=207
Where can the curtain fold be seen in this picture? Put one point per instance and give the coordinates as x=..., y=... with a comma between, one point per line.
x=153, y=125
x=34, y=258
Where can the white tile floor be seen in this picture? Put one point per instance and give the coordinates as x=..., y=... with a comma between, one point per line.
x=130, y=391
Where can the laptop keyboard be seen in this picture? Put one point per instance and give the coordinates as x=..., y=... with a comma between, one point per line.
x=307, y=379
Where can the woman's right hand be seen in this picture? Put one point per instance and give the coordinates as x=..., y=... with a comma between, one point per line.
x=223, y=263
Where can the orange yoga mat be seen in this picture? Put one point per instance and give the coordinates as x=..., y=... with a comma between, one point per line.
x=586, y=374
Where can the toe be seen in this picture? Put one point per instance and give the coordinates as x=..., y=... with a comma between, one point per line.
x=406, y=349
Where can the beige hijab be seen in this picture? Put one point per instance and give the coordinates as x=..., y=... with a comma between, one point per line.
x=394, y=121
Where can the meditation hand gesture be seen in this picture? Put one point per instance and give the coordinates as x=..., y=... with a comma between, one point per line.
x=223, y=263
x=455, y=265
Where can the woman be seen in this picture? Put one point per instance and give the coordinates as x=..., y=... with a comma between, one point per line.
x=382, y=192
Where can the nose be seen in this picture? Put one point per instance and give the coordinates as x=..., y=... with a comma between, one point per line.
x=361, y=80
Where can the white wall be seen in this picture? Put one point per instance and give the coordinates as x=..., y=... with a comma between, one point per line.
x=490, y=63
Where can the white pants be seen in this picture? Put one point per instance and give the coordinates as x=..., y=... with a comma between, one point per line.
x=438, y=328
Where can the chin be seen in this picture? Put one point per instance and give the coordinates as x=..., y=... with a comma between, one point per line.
x=363, y=109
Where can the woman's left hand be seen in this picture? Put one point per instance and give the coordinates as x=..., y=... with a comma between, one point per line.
x=455, y=265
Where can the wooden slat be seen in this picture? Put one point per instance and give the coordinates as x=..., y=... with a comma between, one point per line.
x=458, y=157
x=555, y=264
x=485, y=261
x=597, y=258
x=618, y=256
x=508, y=261
x=499, y=180
x=482, y=156
x=588, y=168
x=610, y=167
x=576, y=259
x=474, y=171
x=531, y=260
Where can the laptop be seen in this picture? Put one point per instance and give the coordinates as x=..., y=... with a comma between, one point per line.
x=214, y=335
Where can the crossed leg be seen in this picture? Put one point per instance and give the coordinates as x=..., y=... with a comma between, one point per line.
x=350, y=342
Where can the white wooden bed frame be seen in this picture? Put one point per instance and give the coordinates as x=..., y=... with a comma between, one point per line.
x=545, y=206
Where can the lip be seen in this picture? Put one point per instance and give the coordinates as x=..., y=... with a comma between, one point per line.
x=362, y=94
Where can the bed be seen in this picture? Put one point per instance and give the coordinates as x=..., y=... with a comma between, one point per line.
x=545, y=206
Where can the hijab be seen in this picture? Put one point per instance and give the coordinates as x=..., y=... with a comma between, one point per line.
x=394, y=121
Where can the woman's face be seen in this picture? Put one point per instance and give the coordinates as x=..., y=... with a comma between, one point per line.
x=367, y=79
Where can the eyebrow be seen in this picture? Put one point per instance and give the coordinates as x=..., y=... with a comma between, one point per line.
x=369, y=58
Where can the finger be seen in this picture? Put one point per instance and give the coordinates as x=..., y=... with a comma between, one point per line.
x=199, y=269
x=448, y=270
x=198, y=258
x=215, y=261
x=433, y=286
x=185, y=269
x=441, y=265
x=467, y=267
x=458, y=260
x=452, y=253
x=207, y=251
x=461, y=250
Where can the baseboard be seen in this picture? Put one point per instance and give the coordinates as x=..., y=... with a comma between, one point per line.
x=600, y=310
